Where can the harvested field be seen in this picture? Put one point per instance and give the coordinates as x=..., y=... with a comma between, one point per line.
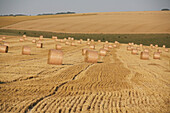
x=113, y=22
x=119, y=83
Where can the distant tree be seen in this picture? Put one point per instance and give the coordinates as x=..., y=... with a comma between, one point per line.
x=165, y=9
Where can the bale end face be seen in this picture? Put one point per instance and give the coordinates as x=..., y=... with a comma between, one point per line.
x=55, y=57
x=134, y=52
x=58, y=47
x=144, y=56
x=92, y=46
x=33, y=41
x=3, y=49
x=102, y=52
x=84, y=51
x=156, y=55
x=166, y=50
x=39, y=45
x=26, y=50
x=91, y=56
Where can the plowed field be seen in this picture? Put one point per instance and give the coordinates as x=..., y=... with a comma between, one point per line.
x=119, y=83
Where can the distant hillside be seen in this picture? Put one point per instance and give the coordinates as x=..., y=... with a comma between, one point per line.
x=110, y=22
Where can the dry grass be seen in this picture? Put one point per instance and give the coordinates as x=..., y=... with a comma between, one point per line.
x=121, y=82
x=115, y=22
x=9, y=20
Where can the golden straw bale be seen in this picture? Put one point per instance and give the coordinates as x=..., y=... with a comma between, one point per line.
x=72, y=39
x=58, y=47
x=156, y=45
x=166, y=50
x=99, y=40
x=84, y=51
x=141, y=45
x=33, y=41
x=156, y=55
x=3, y=49
x=92, y=46
x=24, y=36
x=73, y=44
x=62, y=41
x=129, y=48
x=110, y=46
x=163, y=46
x=55, y=57
x=91, y=56
x=151, y=45
x=92, y=40
x=39, y=45
x=78, y=41
x=21, y=39
x=54, y=37
x=26, y=50
x=88, y=43
x=146, y=50
x=102, y=52
x=134, y=51
x=1, y=39
x=114, y=45
x=144, y=55
x=88, y=39
x=41, y=37
x=67, y=43
x=106, y=42
x=159, y=50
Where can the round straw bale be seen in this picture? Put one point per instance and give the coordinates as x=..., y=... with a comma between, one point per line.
x=159, y=50
x=141, y=45
x=81, y=40
x=129, y=48
x=26, y=50
x=138, y=48
x=39, y=45
x=114, y=45
x=1, y=39
x=58, y=47
x=163, y=46
x=132, y=43
x=55, y=57
x=92, y=46
x=41, y=37
x=146, y=50
x=78, y=41
x=88, y=43
x=73, y=44
x=72, y=39
x=3, y=49
x=99, y=40
x=151, y=45
x=24, y=36
x=61, y=40
x=92, y=40
x=67, y=43
x=156, y=45
x=106, y=42
x=65, y=39
x=91, y=56
x=102, y=52
x=134, y=51
x=156, y=55
x=69, y=38
x=54, y=37
x=166, y=50
x=84, y=51
x=144, y=55
x=116, y=42
x=33, y=41
x=88, y=39
x=21, y=39
x=110, y=46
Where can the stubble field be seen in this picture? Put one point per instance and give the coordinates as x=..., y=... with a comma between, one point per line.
x=119, y=83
